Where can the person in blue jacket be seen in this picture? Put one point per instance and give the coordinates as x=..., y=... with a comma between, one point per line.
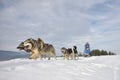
x=87, y=49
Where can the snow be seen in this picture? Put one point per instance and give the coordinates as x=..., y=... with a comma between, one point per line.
x=90, y=68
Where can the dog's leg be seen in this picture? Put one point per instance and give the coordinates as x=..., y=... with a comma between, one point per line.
x=54, y=54
x=44, y=56
x=77, y=56
x=73, y=55
x=30, y=55
x=33, y=55
x=49, y=56
x=63, y=56
x=67, y=56
x=55, y=57
x=40, y=56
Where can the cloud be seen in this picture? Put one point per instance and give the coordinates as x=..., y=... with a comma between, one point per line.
x=62, y=22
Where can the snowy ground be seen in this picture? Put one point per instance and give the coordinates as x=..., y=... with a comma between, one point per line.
x=91, y=68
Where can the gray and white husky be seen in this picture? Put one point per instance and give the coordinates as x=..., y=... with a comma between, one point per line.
x=37, y=47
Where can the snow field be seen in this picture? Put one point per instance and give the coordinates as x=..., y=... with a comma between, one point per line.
x=91, y=68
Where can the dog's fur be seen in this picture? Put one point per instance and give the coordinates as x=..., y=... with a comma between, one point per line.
x=70, y=52
x=38, y=47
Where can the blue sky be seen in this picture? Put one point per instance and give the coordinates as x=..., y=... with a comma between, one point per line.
x=63, y=23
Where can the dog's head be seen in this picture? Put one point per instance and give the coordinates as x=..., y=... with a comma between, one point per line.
x=63, y=50
x=28, y=44
x=21, y=46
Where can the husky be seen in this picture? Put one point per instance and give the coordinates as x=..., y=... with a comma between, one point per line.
x=38, y=47
x=70, y=52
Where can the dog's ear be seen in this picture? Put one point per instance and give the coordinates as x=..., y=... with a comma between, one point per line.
x=22, y=42
x=40, y=41
x=31, y=39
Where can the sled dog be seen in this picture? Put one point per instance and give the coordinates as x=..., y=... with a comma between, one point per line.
x=70, y=53
x=37, y=47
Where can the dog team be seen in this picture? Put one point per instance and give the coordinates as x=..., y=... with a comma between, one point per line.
x=37, y=48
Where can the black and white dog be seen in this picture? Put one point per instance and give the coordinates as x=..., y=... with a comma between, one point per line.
x=70, y=52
